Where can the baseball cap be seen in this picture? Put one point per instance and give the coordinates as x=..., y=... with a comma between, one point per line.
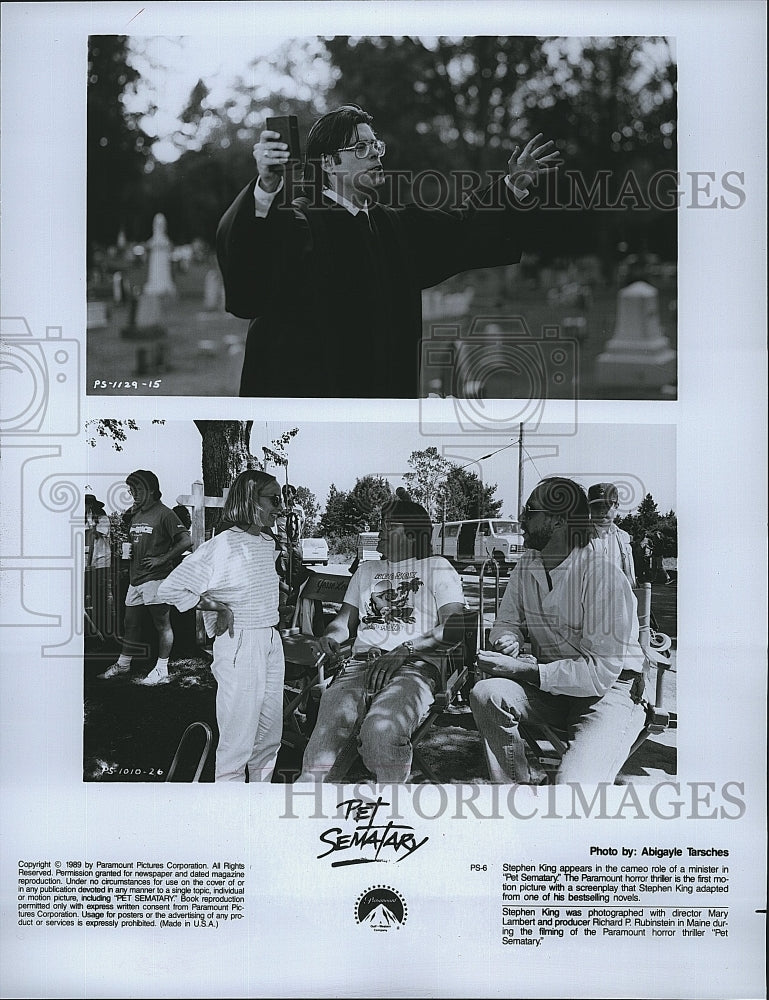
x=603, y=491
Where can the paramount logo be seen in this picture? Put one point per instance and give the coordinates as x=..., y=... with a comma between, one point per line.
x=381, y=908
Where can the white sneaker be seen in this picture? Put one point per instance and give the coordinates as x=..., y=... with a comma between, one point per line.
x=152, y=678
x=114, y=671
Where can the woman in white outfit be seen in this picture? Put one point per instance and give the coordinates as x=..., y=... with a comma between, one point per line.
x=232, y=578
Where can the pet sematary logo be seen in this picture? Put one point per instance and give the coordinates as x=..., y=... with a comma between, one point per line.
x=371, y=838
x=381, y=908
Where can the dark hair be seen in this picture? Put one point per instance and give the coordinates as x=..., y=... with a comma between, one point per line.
x=561, y=496
x=183, y=514
x=92, y=504
x=147, y=479
x=416, y=523
x=331, y=132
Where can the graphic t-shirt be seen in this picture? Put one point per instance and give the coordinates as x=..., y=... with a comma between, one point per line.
x=152, y=533
x=400, y=601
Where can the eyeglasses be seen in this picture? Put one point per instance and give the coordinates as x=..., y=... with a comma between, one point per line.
x=366, y=146
x=528, y=511
x=276, y=498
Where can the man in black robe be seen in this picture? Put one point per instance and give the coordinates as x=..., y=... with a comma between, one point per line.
x=332, y=285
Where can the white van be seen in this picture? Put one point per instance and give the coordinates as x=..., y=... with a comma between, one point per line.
x=314, y=551
x=469, y=543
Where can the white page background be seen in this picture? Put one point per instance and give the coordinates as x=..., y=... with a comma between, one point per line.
x=300, y=938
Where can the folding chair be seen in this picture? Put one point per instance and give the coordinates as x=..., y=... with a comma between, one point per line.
x=207, y=738
x=549, y=744
x=461, y=632
x=656, y=649
x=307, y=671
x=454, y=661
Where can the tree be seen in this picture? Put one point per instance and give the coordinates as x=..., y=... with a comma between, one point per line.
x=115, y=429
x=356, y=510
x=648, y=520
x=117, y=150
x=463, y=103
x=226, y=452
x=647, y=514
x=216, y=143
x=455, y=96
x=427, y=483
x=469, y=497
x=307, y=500
x=364, y=504
x=435, y=479
x=332, y=521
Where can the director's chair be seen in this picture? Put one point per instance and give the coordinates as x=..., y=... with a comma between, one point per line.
x=549, y=744
x=454, y=661
x=307, y=670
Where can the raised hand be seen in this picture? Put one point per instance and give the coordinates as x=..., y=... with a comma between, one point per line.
x=271, y=157
x=536, y=157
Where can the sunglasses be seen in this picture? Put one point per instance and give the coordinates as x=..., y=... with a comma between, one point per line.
x=527, y=511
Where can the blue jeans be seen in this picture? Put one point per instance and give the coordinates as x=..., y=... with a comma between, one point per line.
x=600, y=731
x=386, y=730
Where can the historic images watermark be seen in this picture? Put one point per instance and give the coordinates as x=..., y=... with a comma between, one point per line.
x=562, y=189
x=667, y=800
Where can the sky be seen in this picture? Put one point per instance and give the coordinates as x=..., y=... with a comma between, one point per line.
x=639, y=458
x=170, y=66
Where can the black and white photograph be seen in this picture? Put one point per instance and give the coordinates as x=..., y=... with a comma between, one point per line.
x=477, y=216
x=369, y=531
x=383, y=476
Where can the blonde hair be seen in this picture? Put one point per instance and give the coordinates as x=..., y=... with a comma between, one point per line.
x=240, y=507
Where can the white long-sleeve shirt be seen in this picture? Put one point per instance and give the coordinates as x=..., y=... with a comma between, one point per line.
x=234, y=567
x=615, y=543
x=583, y=631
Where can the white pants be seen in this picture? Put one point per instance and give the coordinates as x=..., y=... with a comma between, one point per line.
x=249, y=703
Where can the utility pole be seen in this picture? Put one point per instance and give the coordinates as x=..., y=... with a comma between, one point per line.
x=443, y=525
x=520, y=467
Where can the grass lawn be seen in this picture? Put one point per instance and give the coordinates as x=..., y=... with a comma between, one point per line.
x=201, y=352
x=131, y=733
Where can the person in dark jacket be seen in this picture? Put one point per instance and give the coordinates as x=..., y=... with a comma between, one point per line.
x=332, y=282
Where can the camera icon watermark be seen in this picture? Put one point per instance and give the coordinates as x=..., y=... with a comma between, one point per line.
x=498, y=374
x=39, y=381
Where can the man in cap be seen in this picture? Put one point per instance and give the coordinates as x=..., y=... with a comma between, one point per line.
x=585, y=672
x=606, y=536
x=158, y=539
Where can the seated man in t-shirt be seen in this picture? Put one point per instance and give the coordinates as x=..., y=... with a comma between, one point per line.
x=395, y=610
